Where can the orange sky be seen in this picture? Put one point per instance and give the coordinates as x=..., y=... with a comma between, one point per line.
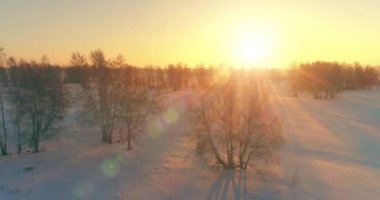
x=197, y=31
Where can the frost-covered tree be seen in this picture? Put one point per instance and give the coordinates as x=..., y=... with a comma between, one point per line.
x=117, y=96
x=136, y=105
x=38, y=94
x=79, y=71
x=102, y=95
x=234, y=123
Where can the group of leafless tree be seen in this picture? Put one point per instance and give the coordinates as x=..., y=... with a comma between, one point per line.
x=233, y=120
x=36, y=98
x=118, y=97
x=326, y=79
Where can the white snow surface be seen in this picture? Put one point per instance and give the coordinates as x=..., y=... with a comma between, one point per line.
x=332, y=152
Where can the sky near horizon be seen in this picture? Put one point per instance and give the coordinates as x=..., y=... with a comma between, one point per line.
x=160, y=32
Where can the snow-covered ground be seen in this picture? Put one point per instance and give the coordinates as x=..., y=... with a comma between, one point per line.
x=332, y=152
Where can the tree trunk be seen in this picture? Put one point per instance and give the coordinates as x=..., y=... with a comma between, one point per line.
x=104, y=136
x=37, y=140
x=18, y=137
x=129, y=145
x=36, y=147
x=4, y=142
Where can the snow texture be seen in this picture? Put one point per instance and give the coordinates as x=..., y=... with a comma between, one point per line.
x=332, y=152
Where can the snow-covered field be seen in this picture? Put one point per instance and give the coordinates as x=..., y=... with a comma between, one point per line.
x=332, y=152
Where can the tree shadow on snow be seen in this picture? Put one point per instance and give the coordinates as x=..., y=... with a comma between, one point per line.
x=230, y=185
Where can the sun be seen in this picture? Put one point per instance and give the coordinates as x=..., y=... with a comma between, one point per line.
x=252, y=49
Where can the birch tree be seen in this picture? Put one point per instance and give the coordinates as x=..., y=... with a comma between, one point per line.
x=234, y=123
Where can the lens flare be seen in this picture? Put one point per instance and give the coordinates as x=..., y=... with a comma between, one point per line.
x=155, y=130
x=171, y=116
x=110, y=167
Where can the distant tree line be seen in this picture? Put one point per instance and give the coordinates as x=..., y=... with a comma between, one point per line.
x=325, y=79
x=174, y=77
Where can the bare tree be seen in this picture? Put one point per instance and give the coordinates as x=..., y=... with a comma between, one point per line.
x=39, y=95
x=78, y=59
x=326, y=79
x=18, y=100
x=234, y=123
x=175, y=76
x=136, y=104
x=2, y=57
x=78, y=71
x=118, y=96
x=102, y=95
x=3, y=84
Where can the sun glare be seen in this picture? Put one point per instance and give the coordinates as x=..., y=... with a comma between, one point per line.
x=252, y=49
